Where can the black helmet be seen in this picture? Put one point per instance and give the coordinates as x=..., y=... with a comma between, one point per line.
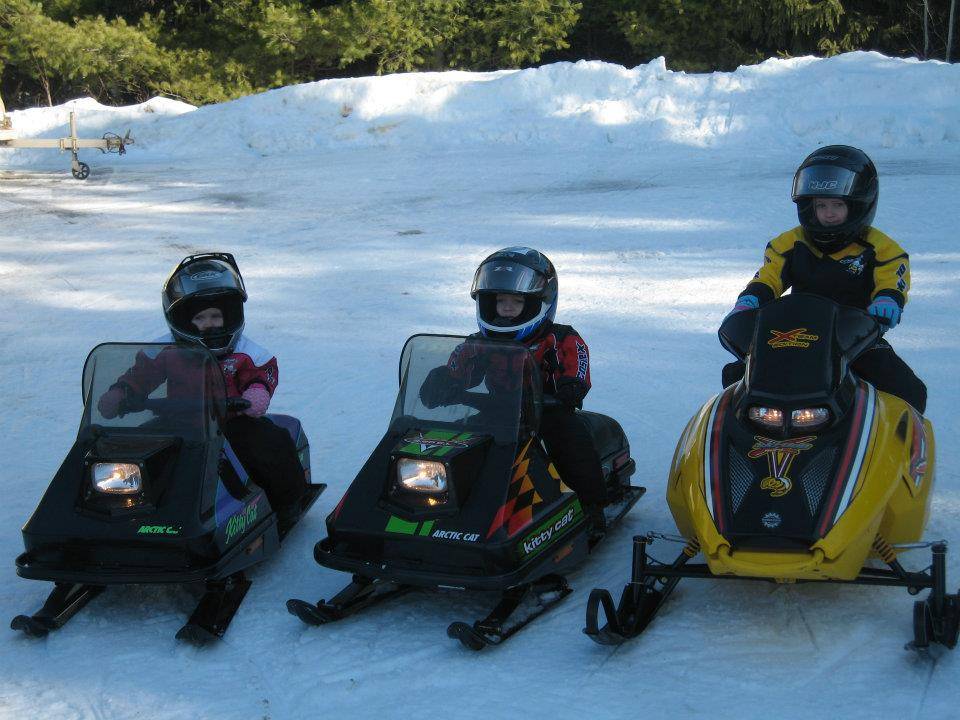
x=519, y=271
x=843, y=173
x=200, y=282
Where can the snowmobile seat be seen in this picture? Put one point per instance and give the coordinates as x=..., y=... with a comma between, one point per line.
x=288, y=423
x=605, y=431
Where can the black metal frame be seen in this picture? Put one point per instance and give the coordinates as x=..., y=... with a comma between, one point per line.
x=936, y=618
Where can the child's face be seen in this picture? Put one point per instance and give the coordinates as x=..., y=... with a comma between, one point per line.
x=830, y=211
x=209, y=319
x=509, y=305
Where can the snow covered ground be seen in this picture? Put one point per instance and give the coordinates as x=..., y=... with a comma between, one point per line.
x=358, y=210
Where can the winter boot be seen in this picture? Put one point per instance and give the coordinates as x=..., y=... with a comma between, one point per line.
x=596, y=520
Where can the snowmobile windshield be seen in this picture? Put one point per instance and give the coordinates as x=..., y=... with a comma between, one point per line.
x=508, y=277
x=824, y=181
x=476, y=384
x=155, y=389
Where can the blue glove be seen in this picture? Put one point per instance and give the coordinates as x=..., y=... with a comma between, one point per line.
x=886, y=310
x=744, y=302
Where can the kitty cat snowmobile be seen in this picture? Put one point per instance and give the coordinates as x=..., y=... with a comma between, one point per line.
x=153, y=495
x=461, y=494
x=800, y=472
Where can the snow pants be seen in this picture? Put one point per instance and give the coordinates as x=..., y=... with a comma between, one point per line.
x=880, y=366
x=570, y=446
x=268, y=453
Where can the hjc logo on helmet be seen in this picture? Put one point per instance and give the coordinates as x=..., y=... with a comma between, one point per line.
x=823, y=184
x=206, y=275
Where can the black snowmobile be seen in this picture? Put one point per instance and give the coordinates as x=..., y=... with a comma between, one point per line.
x=460, y=493
x=153, y=495
x=800, y=472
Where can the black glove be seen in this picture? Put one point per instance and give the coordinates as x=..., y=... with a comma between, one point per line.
x=571, y=391
x=439, y=388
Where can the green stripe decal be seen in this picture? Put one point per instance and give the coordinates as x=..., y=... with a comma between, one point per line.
x=399, y=525
x=426, y=528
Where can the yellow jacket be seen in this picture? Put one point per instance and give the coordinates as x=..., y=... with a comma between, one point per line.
x=855, y=275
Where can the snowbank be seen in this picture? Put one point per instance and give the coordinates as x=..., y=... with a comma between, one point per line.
x=781, y=104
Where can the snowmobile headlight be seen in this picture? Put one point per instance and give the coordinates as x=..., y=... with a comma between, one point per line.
x=809, y=417
x=117, y=478
x=422, y=476
x=770, y=417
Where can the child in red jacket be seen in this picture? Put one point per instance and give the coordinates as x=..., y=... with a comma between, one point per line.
x=515, y=290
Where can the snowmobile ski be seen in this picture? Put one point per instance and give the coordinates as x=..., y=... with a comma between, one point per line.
x=545, y=593
x=65, y=601
x=215, y=610
x=640, y=601
x=359, y=594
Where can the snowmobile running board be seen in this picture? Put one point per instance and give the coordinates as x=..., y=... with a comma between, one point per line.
x=935, y=619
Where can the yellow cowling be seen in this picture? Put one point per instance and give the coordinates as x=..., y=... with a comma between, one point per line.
x=891, y=498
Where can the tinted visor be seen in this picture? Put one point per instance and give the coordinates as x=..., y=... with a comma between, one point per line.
x=824, y=181
x=508, y=277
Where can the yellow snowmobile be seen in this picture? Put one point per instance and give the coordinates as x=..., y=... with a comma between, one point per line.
x=799, y=472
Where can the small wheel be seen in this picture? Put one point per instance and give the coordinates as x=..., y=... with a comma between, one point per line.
x=922, y=624
x=82, y=171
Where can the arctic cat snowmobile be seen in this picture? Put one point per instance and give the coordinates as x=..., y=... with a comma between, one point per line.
x=461, y=494
x=153, y=495
x=799, y=472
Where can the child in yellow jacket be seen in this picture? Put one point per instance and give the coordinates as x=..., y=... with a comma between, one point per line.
x=837, y=254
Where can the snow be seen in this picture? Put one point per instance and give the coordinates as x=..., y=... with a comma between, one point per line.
x=358, y=210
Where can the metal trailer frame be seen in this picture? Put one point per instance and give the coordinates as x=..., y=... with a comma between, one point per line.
x=109, y=143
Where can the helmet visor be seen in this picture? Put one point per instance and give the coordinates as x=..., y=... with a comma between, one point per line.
x=823, y=181
x=229, y=304
x=508, y=277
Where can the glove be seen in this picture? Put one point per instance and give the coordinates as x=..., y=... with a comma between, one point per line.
x=571, y=391
x=745, y=302
x=886, y=310
x=110, y=402
x=551, y=362
x=439, y=388
x=259, y=399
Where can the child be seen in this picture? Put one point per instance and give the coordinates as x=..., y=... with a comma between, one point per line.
x=837, y=254
x=515, y=290
x=203, y=305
